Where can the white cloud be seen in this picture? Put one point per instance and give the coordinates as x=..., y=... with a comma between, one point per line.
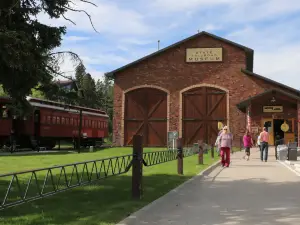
x=107, y=18
x=173, y=6
x=76, y=38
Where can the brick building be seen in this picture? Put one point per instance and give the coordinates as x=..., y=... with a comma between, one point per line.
x=192, y=85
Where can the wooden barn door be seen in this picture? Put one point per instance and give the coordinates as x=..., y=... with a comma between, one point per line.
x=202, y=109
x=146, y=114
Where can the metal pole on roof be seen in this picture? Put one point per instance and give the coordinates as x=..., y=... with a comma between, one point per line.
x=158, y=42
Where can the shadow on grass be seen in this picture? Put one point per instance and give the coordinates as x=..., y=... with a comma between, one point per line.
x=106, y=202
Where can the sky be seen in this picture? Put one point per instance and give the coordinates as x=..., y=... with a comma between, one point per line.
x=130, y=29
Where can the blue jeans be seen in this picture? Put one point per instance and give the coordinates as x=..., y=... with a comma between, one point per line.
x=264, y=151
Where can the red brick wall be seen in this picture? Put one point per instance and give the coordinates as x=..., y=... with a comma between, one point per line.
x=170, y=71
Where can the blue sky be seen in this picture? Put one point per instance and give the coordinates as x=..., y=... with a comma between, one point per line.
x=129, y=29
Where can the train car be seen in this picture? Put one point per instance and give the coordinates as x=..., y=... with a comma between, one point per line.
x=6, y=121
x=52, y=121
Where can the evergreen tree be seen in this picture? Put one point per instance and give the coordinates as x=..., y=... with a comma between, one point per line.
x=27, y=56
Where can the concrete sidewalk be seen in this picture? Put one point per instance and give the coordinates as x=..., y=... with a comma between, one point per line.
x=248, y=192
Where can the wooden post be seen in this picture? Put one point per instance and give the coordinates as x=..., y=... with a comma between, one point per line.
x=212, y=152
x=179, y=156
x=137, y=167
x=200, y=154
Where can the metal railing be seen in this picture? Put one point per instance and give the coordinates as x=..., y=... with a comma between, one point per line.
x=26, y=186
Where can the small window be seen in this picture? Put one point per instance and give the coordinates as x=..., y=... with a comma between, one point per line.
x=71, y=122
x=48, y=119
x=93, y=124
x=43, y=119
x=53, y=119
x=58, y=120
x=5, y=114
x=98, y=124
x=67, y=121
x=90, y=123
x=63, y=120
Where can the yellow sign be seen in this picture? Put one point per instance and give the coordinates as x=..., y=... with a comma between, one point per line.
x=204, y=55
x=273, y=109
x=285, y=127
x=220, y=125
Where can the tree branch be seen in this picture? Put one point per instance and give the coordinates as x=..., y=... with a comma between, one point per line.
x=80, y=10
x=68, y=19
x=89, y=2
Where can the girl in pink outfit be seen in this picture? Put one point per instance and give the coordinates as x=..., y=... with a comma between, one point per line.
x=225, y=144
x=248, y=143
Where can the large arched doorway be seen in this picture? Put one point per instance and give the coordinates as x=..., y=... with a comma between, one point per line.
x=202, y=109
x=146, y=114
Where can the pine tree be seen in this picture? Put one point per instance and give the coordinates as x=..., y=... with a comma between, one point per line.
x=27, y=56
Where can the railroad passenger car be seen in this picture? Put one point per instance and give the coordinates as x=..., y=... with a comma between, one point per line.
x=52, y=121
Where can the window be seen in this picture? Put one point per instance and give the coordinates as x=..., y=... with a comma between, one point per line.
x=98, y=124
x=90, y=123
x=86, y=123
x=71, y=121
x=93, y=124
x=53, y=119
x=58, y=120
x=67, y=121
x=48, y=119
x=43, y=119
x=63, y=120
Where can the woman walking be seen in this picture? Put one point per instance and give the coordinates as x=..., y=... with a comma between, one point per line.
x=248, y=143
x=225, y=143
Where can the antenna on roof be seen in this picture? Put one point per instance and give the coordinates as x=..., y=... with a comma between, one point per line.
x=158, y=44
x=198, y=31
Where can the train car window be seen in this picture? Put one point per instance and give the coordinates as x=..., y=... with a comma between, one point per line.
x=98, y=124
x=43, y=119
x=67, y=121
x=4, y=113
x=53, y=119
x=58, y=120
x=63, y=120
x=71, y=121
x=90, y=123
x=48, y=119
x=101, y=124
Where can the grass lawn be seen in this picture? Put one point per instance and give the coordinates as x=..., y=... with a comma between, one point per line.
x=103, y=203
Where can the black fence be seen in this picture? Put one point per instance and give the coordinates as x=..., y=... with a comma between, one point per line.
x=26, y=186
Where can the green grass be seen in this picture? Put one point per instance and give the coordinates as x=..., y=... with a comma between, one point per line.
x=103, y=203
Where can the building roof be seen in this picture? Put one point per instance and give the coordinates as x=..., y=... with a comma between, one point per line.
x=249, y=52
x=243, y=104
x=249, y=73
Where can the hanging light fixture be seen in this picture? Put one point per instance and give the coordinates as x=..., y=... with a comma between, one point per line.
x=273, y=100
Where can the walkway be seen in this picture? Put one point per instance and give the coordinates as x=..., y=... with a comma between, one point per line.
x=247, y=193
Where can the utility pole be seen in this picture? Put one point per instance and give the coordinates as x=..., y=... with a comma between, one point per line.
x=158, y=42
